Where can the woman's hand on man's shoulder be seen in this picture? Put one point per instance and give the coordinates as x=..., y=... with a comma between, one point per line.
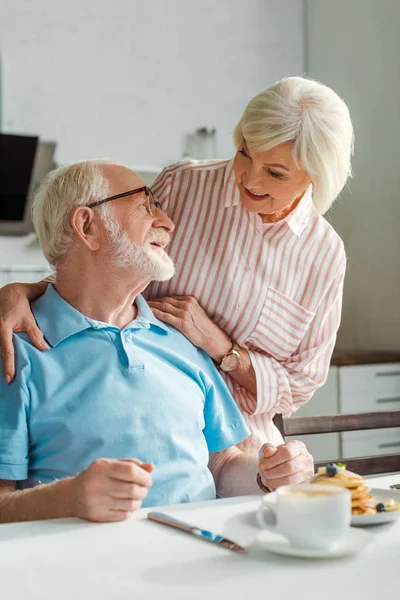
x=16, y=315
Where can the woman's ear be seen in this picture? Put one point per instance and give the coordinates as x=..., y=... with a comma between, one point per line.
x=84, y=224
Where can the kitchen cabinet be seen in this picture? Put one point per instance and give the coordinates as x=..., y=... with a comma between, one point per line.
x=353, y=388
x=368, y=388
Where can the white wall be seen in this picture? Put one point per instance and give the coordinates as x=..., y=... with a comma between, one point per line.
x=20, y=251
x=129, y=79
x=21, y=260
x=354, y=47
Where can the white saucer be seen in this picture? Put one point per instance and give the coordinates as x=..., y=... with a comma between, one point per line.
x=354, y=541
x=378, y=518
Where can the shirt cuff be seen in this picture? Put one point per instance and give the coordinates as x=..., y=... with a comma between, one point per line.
x=267, y=378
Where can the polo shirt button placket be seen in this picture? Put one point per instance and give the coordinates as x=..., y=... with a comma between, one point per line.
x=125, y=347
x=134, y=363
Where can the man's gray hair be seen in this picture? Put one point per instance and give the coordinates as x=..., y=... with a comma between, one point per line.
x=59, y=193
x=317, y=122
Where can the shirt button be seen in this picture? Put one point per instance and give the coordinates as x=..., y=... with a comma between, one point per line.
x=257, y=232
x=248, y=268
x=238, y=305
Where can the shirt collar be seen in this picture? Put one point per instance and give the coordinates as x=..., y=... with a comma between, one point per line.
x=300, y=216
x=230, y=191
x=146, y=316
x=58, y=320
x=297, y=219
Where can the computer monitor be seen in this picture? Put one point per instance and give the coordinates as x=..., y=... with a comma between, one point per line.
x=24, y=160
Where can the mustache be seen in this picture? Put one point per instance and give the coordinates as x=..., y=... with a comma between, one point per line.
x=160, y=236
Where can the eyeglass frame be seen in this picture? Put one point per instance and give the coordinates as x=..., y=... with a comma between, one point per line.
x=152, y=204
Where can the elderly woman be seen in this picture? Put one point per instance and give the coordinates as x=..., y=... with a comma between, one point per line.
x=259, y=270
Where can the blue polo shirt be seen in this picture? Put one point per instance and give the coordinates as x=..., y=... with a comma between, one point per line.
x=100, y=392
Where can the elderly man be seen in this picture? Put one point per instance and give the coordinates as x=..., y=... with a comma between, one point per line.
x=122, y=410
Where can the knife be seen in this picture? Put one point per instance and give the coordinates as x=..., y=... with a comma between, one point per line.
x=203, y=534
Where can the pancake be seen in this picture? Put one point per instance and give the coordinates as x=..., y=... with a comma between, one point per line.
x=367, y=510
x=359, y=492
x=347, y=481
x=362, y=503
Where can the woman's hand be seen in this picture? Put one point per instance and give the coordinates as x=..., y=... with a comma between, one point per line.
x=282, y=465
x=16, y=315
x=186, y=314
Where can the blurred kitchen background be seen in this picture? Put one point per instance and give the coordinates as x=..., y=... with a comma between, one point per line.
x=150, y=83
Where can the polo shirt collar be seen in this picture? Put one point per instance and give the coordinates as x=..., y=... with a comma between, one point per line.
x=297, y=220
x=145, y=315
x=58, y=320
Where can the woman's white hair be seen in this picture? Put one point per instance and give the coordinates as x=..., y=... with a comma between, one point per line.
x=60, y=191
x=317, y=122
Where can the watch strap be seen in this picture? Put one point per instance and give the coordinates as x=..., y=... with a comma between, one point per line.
x=261, y=485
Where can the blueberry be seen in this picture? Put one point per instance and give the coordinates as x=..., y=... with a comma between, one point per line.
x=332, y=470
x=380, y=507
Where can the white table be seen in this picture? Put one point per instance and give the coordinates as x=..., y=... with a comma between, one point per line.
x=72, y=559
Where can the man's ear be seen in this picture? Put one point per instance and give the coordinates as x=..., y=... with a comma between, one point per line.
x=85, y=226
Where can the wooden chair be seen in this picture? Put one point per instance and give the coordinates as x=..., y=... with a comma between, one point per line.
x=367, y=465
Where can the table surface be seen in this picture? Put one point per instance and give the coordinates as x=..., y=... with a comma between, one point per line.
x=73, y=559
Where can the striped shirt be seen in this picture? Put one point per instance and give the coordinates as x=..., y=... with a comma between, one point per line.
x=275, y=288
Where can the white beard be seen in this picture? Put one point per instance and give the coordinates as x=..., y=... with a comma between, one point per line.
x=144, y=260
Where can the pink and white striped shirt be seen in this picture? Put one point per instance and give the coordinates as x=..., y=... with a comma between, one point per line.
x=275, y=288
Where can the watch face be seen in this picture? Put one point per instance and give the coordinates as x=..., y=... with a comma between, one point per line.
x=230, y=362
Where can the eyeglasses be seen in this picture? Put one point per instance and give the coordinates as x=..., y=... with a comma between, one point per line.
x=152, y=205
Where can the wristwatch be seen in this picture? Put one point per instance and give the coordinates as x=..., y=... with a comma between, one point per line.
x=231, y=360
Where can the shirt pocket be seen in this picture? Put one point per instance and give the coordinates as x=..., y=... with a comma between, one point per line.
x=281, y=327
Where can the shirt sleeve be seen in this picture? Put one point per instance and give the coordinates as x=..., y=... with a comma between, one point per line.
x=161, y=188
x=282, y=387
x=14, y=437
x=224, y=424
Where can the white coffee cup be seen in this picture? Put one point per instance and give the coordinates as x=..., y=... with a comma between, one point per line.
x=308, y=515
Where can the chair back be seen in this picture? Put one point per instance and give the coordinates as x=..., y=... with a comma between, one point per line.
x=366, y=465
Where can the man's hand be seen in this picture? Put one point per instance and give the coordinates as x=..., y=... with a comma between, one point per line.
x=185, y=314
x=110, y=489
x=16, y=315
x=285, y=464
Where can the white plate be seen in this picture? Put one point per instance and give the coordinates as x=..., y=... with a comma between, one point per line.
x=378, y=518
x=354, y=541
